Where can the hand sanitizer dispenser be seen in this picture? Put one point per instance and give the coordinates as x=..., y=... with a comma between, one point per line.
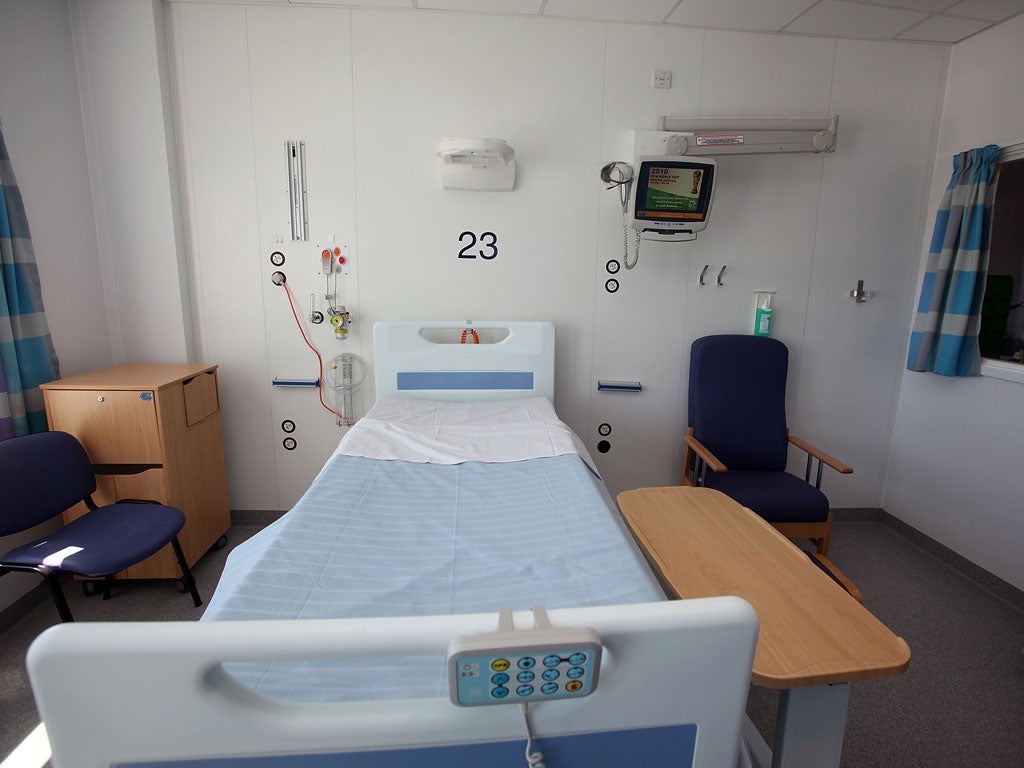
x=763, y=312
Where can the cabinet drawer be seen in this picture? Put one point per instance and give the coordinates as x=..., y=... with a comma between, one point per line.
x=200, y=397
x=115, y=426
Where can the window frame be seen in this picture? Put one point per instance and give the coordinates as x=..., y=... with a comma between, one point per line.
x=990, y=367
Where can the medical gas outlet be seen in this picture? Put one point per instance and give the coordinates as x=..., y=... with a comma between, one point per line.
x=334, y=261
x=340, y=319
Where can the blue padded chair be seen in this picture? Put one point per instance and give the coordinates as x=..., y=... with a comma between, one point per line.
x=738, y=443
x=42, y=475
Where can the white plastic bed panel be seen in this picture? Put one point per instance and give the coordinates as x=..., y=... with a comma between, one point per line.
x=408, y=363
x=128, y=694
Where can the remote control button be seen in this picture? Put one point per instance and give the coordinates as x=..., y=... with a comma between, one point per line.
x=500, y=665
x=549, y=688
x=527, y=662
x=575, y=673
x=499, y=679
x=573, y=685
x=550, y=674
x=501, y=692
x=552, y=661
x=577, y=658
x=525, y=677
x=524, y=690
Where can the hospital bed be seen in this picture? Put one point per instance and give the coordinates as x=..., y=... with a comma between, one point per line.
x=458, y=495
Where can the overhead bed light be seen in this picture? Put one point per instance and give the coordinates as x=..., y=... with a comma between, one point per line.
x=477, y=165
x=749, y=135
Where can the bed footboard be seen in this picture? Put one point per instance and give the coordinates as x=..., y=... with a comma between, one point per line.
x=673, y=681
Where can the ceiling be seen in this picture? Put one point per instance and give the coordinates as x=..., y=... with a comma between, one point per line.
x=934, y=21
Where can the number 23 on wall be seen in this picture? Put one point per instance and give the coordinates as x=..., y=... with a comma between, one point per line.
x=488, y=242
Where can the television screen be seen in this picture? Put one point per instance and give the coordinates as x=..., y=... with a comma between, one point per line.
x=673, y=190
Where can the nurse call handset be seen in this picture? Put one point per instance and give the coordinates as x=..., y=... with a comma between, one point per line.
x=523, y=666
x=619, y=174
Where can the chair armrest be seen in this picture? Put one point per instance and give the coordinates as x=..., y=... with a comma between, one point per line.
x=709, y=458
x=823, y=457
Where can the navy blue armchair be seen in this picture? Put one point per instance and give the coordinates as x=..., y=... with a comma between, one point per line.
x=738, y=442
x=42, y=475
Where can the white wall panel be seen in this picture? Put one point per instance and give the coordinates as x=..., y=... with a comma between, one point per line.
x=764, y=75
x=535, y=83
x=765, y=214
x=122, y=66
x=955, y=464
x=220, y=174
x=300, y=72
x=638, y=329
x=871, y=206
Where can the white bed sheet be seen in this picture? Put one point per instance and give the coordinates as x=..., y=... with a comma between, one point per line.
x=431, y=432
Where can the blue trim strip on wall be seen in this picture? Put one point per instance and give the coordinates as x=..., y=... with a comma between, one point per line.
x=670, y=745
x=413, y=380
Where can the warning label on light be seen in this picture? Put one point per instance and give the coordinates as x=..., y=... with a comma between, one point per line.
x=719, y=139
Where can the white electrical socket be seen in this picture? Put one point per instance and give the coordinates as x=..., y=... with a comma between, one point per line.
x=662, y=78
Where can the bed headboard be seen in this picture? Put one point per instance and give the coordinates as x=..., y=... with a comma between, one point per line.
x=428, y=360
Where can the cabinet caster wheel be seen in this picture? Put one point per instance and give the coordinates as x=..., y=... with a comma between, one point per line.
x=180, y=586
x=89, y=588
x=221, y=542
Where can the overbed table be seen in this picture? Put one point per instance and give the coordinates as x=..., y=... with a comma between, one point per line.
x=814, y=640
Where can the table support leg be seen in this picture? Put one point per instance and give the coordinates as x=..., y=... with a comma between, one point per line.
x=810, y=725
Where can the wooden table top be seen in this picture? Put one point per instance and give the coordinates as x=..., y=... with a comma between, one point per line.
x=701, y=543
x=131, y=376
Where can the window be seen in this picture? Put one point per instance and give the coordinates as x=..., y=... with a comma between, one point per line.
x=1002, y=315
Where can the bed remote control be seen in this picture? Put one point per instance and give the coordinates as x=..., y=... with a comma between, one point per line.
x=527, y=665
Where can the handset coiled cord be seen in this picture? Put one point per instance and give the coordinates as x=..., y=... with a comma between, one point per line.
x=533, y=759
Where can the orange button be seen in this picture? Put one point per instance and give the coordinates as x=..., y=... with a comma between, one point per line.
x=573, y=685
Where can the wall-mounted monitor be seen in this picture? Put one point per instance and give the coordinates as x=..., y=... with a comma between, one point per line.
x=672, y=196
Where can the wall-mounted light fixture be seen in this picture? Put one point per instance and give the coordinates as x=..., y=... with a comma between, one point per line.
x=477, y=165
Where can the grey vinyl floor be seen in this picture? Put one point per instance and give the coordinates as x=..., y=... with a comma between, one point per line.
x=961, y=703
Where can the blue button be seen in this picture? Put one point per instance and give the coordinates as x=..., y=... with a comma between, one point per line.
x=550, y=674
x=524, y=690
x=525, y=677
x=527, y=662
x=499, y=679
x=500, y=692
x=549, y=688
x=577, y=658
x=552, y=660
x=575, y=673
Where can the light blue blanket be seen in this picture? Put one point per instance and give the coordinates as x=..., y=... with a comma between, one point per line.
x=393, y=538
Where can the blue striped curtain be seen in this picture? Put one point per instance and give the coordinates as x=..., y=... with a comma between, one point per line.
x=27, y=357
x=944, y=339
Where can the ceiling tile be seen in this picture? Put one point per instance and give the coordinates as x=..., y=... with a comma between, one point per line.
x=751, y=15
x=841, y=19
x=360, y=3
x=610, y=10
x=944, y=29
x=993, y=10
x=483, y=6
x=932, y=6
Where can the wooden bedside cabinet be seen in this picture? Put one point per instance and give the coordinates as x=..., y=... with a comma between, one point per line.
x=165, y=417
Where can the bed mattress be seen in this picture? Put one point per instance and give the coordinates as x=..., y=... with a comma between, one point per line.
x=375, y=537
